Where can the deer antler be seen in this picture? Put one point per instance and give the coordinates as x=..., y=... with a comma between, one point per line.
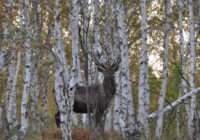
x=97, y=61
x=116, y=60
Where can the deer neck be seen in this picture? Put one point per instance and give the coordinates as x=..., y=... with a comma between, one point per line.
x=109, y=85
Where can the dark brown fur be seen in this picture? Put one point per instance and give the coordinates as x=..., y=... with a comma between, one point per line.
x=96, y=98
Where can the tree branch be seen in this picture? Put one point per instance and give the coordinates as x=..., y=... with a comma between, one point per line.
x=175, y=103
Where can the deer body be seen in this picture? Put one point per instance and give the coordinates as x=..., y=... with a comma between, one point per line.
x=88, y=99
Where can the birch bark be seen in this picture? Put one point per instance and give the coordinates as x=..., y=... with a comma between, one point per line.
x=159, y=124
x=27, y=71
x=118, y=123
x=74, y=29
x=96, y=4
x=182, y=52
x=64, y=98
x=34, y=95
x=127, y=112
x=10, y=97
x=183, y=60
x=37, y=26
x=26, y=90
x=192, y=118
x=6, y=39
x=1, y=117
x=11, y=89
x=89, y=67
x=143, y=76
x=2, y=60
x=176, y=102
x=107, y=30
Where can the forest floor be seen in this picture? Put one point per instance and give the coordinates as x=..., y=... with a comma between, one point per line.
x=77, y=134
x=29, y=136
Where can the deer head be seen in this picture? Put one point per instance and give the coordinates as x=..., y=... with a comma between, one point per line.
x=109, y=67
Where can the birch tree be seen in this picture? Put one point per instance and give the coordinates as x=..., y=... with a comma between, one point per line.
x=2, y=60
x=13, y=70
x=86, y=47
x=96, y=21
x=11, y=90
x=107, y=29
x=159, y=124
x=143, y=76
x=192, y=118
x=183, y=60
x=34, y=94
x=182, y=51
x=35, y=62
x=1, y=117
x=74, y=29
x=177, y=102
x=27, y=71
x=127, y=112
x=64, y=98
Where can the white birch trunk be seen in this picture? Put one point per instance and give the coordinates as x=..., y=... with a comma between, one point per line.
x=109, y=119
x=96, y=4
x=34, y=98
x=11, y=66
x=2, y=60
x=89, y=66
x=183, y=60
x=6, y=25
x=1, y=117
x=74, y=29
x=143, y=77
x=36, y=60
x=12, y=106
x=182, y=52
x=118, y=123
x=192, y=118
x=126, y=112
x=27, y=70
x=11, y=91
x=64, y=98
x=159, y=123
x=107, y=30
x=178, y=125
x=26, y=90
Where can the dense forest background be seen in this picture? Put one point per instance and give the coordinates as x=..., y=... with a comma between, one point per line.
x=49, y=47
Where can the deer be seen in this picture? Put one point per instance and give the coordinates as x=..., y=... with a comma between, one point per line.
x=95, y=98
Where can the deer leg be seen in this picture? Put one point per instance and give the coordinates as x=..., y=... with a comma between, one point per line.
x=99, y=121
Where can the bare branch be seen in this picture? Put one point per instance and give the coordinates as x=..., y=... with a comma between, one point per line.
x=175, y=103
